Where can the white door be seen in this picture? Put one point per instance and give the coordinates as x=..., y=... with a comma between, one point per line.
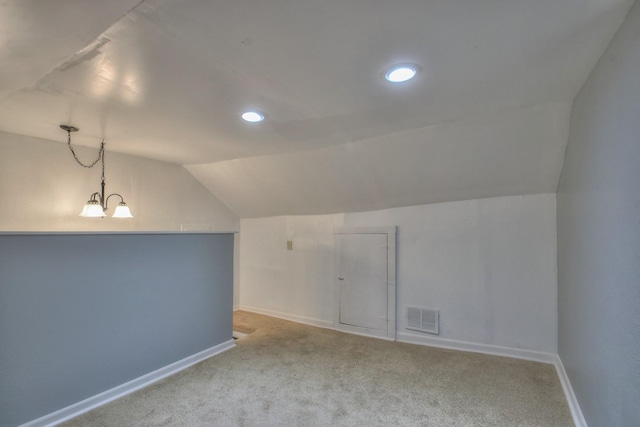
x=365, y=284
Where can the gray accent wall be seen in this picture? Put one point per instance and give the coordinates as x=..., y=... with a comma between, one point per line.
x=598, y=217
x=81, y=314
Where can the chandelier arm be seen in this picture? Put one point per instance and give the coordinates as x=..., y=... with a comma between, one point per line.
x=106, y=202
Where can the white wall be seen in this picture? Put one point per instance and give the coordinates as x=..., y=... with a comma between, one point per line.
x=489, y=265
x=599, y=237
x=297, y=284
x=42, y=188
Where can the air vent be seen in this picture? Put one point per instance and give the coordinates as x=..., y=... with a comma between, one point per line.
x=423, y=320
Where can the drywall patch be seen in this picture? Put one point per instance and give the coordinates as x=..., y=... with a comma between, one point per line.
x=85, y=54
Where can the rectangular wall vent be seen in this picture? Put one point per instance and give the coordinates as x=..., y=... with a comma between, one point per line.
x=423, y=320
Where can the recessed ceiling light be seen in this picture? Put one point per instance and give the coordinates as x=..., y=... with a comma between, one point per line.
x=401, y=73
x=253, y=116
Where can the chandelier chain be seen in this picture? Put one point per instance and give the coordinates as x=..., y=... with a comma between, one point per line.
x=75, y=156
x=101, y=154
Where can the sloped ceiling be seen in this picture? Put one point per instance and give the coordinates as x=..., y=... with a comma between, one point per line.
x=486, y=116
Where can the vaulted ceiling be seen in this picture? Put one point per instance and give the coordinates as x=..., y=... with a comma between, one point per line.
x=486, y=115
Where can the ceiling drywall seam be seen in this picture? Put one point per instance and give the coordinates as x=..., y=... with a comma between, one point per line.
x=566, y=147
x=87, y=53
x=584, y=82
x=206, y=189
x=400, y=134
x=604, y=46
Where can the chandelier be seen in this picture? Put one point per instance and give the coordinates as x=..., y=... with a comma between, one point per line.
x=98, y=203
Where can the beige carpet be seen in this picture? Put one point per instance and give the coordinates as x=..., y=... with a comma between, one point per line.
x=288, y=374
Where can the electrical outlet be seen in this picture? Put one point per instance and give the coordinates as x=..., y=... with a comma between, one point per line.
x=289, y=245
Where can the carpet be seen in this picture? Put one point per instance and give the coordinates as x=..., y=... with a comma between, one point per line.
x=290, y=374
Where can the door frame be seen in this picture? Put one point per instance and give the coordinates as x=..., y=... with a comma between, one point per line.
x=390, y=333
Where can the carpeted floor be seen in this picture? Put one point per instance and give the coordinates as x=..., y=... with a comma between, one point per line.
x=289, y=374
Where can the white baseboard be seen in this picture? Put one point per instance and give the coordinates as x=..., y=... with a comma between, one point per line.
x=572, y=401
x=354, y=330
x=117, y=392
x=536, y=356
x=496, y=350
x=327, y=324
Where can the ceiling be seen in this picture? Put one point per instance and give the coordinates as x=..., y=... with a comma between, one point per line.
x=487, y=115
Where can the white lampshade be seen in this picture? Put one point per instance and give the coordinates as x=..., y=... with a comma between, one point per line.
x=122, y=211
x=92, y=210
